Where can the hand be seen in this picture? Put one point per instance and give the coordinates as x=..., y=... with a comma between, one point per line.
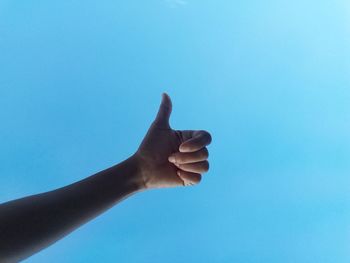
x=170, y=158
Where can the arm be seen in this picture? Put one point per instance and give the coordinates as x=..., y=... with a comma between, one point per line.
x=165, y=158
x=32, y=223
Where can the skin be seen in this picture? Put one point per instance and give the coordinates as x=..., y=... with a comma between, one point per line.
x=165, y=158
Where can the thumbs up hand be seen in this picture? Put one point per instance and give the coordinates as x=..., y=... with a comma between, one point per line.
x=169, y=158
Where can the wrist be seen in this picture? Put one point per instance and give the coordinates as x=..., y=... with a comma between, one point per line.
x=138, y=178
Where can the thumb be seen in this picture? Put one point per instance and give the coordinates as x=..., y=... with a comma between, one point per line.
x=162, y=119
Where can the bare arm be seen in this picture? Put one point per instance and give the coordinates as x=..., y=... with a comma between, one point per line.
x=165, y=158
x=32, y=223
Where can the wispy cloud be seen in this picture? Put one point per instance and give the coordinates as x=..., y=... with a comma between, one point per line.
x=176, y=3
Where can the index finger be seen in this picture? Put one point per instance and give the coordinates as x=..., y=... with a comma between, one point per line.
x=199, y=140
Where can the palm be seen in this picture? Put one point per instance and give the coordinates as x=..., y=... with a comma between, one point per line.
x=158, y=144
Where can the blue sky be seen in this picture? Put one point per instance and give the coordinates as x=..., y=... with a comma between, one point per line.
x=81, y=81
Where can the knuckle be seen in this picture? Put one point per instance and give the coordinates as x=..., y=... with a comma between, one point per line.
x=206, y=136
x=196, y=179
x=205, y=153
x=199, y=178
x=206, y=166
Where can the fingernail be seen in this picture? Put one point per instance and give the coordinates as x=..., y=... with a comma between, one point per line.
x=171, y=159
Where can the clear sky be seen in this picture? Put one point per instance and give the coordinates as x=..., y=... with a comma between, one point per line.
x=80, y=82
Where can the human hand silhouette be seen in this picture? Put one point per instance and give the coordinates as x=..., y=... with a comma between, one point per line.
x=169, y=158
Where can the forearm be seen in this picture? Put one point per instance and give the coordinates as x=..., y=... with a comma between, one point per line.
x=32, y=223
